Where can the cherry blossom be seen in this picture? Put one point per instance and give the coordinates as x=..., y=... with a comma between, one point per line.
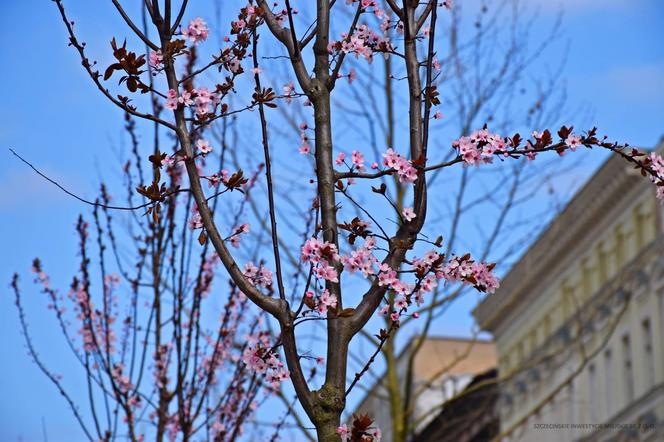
x=343, y=432
x=573, y=141
x=362, y=43
x=172, y=99
x=322, y=254
x=258, y=275
x=195, y=222
x=393, y=160
x=237, y=232
x=261, y=359
x=289, y=91
x=479, y=147
x=352, y=75
x=408, y=214
x=203, y=146
x=156, y=59
x=326, y=301
x=358, y=160
x=197, y=31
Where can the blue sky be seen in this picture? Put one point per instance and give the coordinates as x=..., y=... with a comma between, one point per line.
x=54, y=117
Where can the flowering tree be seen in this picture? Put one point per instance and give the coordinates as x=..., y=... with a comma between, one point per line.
x=156, y=363
x=350, y=264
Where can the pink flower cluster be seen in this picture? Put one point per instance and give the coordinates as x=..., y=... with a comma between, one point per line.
x=305, y=148
x=197, y=31
x=259, y=358
x=235, y=237
x=322, y=255
x=358, y=160
x=201, y=98
x=195, y=222
x=122, y=380
x=361, y=259
x=324, y=302
x=363, y=43
x=216, y=178
x=289, y=91
x=156, y=59
x=258, y=275
x=479, y=147
x=404, y=168
x=372, y=434
x=368, y=4
x=657, y=166
x=429, y=269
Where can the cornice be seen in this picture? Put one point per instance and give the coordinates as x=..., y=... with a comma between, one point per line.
x=612, y=186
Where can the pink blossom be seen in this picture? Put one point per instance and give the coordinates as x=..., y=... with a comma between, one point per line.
x=321, y=254
x=258, y=275
x=155, y=59
x=573, y=141
x=479, y=147
x=408, y=213
x=407, y=173
x=400, y=302
x=352, y=75
x=340, y=159
x=358, y=160
x=171, y=99
x=185, y=98
x=197, y=31
x=344, y=433
x=195, y=222
x=438, y=115
x=289, y=91
x=203, y=146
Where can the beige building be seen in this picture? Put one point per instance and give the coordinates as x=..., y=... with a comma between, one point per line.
x=442, y=368
x=579, y=321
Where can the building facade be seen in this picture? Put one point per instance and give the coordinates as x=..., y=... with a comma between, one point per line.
x=471, y=416
x=579, y=321
x=442, y=368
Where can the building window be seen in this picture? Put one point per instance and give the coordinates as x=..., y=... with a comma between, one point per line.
x=608, y=378
x=638, y=226
x=533, y=340
x=649, y=363
x=602, y=264
x=620, y=247
x=628, y=375
x=592, y=392
x=586, y=283
x=572, y=405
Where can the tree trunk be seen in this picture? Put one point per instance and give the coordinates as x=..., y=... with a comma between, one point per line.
x=327, y=432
